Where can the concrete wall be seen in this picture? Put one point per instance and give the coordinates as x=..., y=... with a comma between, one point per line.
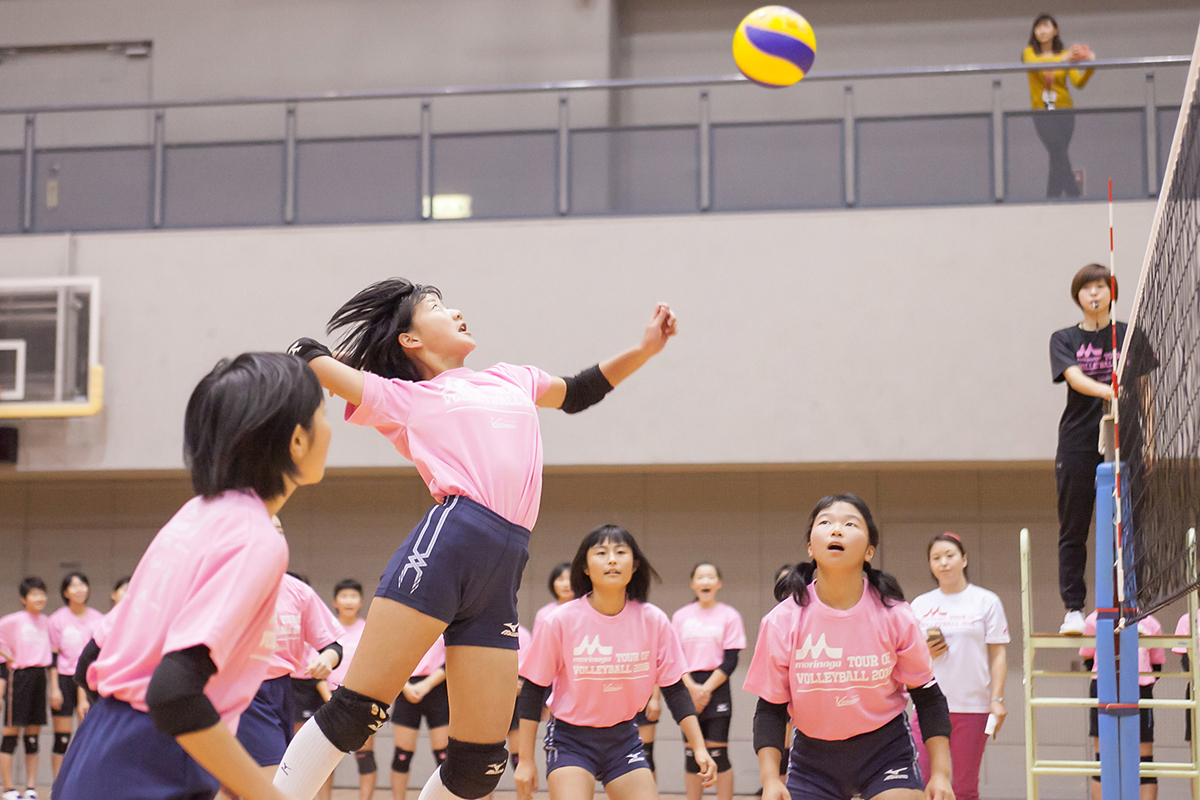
x=825, y=337
x=748, y=521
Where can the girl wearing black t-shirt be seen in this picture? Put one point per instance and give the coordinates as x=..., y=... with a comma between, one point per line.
x=1083, y=356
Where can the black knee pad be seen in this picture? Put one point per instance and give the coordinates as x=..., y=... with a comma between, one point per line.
x=8, y=745
x=61, y=740
x=31, y=744
x=783, y=763
x=365, y=761
x=471, y=770
x=349, y=719
x=439, y=756
x=690, y=765
x=1148, y=780
x=401, y=760
x=648, y=749
x=721, y=756
x=514, y=759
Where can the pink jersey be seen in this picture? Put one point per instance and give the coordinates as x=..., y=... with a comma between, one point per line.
x=1147, y=626
x=26, y=637
x=349, y=642
x=542, y=613
x=524, y=639
x=433, y=660
x=310, y=653
x=470, y=433
x=842, y=672
x=603, y=668
x=1181, y=629
x=301, y=619
x=69, y=635
x=210, y=578
x=706, y=633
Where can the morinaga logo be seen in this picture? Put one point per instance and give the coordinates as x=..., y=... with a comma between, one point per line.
x=809, y=650
x=592, y=647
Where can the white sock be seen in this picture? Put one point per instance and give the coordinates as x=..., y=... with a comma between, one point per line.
x=309, y=760
x=434, y=790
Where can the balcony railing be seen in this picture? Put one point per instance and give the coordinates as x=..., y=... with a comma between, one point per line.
x=826, y=162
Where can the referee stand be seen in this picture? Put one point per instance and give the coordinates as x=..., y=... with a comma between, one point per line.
x=1120, y=767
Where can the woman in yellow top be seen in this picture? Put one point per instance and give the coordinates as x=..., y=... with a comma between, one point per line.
x=1048, y=92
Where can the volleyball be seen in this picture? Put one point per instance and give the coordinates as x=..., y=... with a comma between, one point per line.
x=774, y=46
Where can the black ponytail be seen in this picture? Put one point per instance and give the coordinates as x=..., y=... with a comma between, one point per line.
x=373, y=320
x=794, y=583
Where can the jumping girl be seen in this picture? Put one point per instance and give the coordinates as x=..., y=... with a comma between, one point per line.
x=560, y=589
x=423, y=696
x=838, y=654
x=475, y=440
x=712, y=636
x=70, y=630
x=178, y=662
x=604, y=653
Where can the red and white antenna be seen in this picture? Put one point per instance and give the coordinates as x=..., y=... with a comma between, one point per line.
x=1112, y=321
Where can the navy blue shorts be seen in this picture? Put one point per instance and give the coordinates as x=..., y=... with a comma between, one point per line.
x=865, y=765
x=118, y=754
x=607, y=753
x=462, y=564
x=266, y=726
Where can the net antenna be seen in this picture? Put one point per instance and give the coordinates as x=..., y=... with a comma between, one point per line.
x=1159, y=378
x=1116, y=415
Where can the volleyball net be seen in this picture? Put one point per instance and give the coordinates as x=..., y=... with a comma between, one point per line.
x=1159, y=375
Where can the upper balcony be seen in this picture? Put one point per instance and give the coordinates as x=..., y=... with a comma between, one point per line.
x=401, y=156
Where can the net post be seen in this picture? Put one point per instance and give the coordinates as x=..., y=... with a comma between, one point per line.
x=1031, y=782
x=1193, y=651
x=1151, y=137
x=1106, y=653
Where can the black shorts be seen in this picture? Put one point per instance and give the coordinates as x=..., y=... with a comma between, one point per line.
x=462, y=564
x=305, y=698
x=1146, y=715
x=434, y=707
x=25, y=701
x=865, y=765
x=721, y=702
x=641, y=721
x=70, y=693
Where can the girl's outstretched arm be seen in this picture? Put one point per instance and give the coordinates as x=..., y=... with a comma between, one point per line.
x=583, y=390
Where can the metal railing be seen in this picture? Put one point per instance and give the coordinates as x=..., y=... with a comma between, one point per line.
x=562, y=205
x=1032, y=642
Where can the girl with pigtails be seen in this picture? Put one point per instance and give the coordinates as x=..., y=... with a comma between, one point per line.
x=475, y=440
x=840, y=656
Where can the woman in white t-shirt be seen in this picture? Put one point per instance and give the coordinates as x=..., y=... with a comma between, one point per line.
x=966, y=631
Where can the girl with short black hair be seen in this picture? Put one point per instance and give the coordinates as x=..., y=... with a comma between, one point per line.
x=604, y=653
x=70, y=630
x=177, y=665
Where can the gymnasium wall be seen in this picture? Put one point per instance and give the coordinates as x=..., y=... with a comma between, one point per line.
x=748, y=521
x=867, y=336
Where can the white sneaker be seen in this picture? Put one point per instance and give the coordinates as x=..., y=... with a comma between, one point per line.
x=31, y=794
x=1073, y=624
x=11, y=794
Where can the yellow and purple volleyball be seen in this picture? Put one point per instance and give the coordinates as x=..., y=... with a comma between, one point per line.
x=774, y=46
